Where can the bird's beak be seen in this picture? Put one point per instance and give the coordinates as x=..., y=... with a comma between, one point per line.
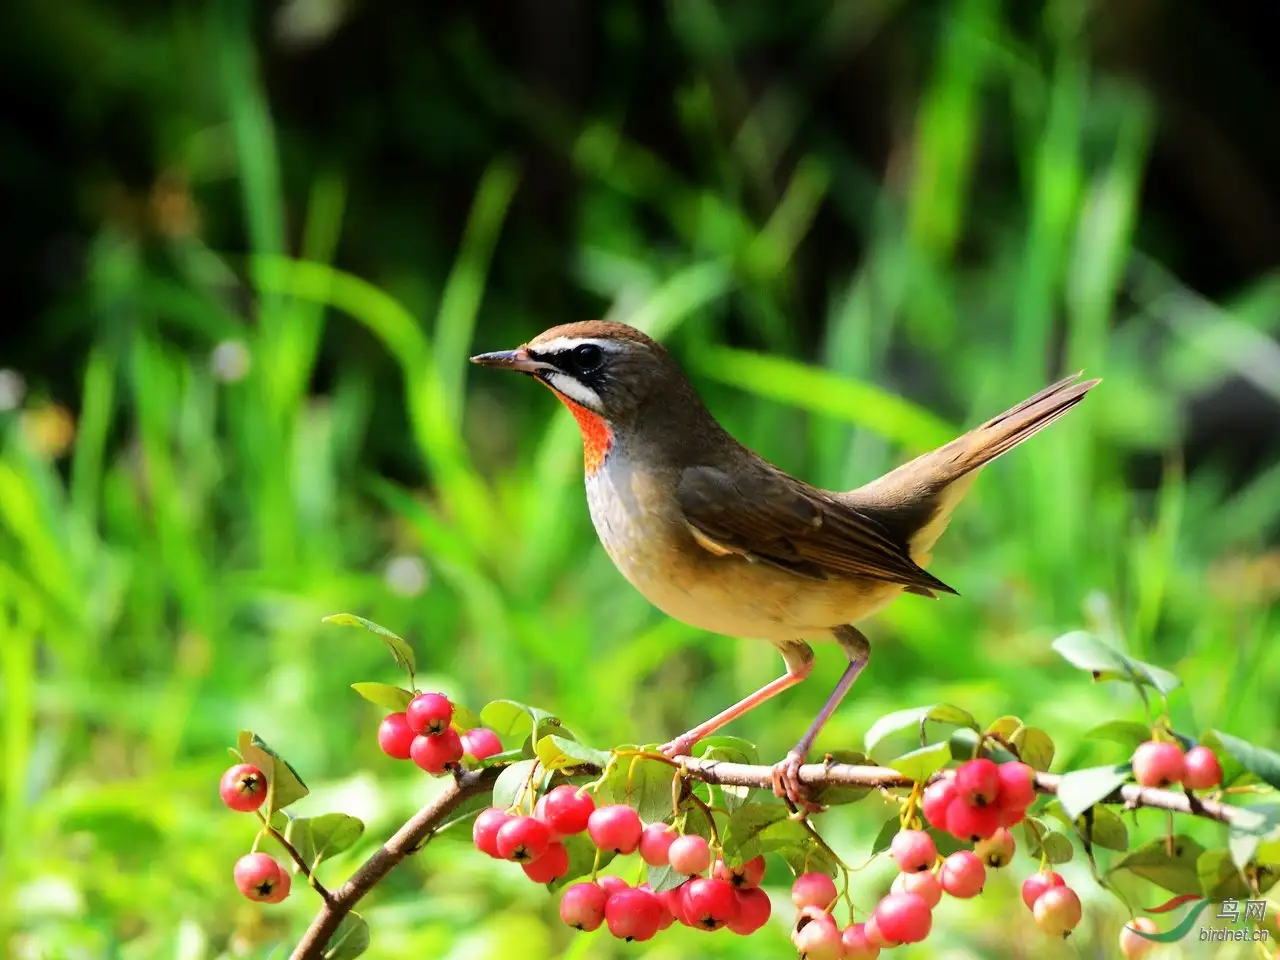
x=511, y=360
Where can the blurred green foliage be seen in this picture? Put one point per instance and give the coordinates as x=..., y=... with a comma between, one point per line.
x=250, y=406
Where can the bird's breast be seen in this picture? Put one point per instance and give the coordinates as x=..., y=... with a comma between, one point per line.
x=644, y=533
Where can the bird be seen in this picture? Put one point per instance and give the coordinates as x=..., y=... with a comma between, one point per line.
x=715, y=536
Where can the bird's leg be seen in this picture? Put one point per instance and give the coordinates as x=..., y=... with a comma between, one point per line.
x=798, y=657
x=786, y=773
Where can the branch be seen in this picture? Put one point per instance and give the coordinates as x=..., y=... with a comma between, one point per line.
x=303, y=866
x=418, y=830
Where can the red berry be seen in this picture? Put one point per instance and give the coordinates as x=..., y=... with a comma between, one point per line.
x=243, y=787
x=745, y=876
x=1037, y=884
x=977, y=782
x=666, y=917
x=633, y=914
x=552, y=865
x=436, y=753
x=914, y=850
x=484, y=832
x=924, y=884
x=655, y=842
x=429, y=713
x=567, y=809
x=689, y=854
x=282, y=888
x=582, y=906
x=1017, y=787
x=856, y=944
x=523, y=839
x=612, y=885
x=1158, y=764
x=616, y=827
x=710, y=904
x=962, y=874
x=481, y=743
x=819, y=939
x=395, y=736
x=1011, y=818
x=1202, y=772
x=937, y=798
x=903, y=917
x=674, y=901
x=813, y=890
x=1132, y=944
x=875, y=936
x=540, y=811
x=754, y=909
x=997, y=850
x=1057, y=911
x=972, y=824
x=257, y=876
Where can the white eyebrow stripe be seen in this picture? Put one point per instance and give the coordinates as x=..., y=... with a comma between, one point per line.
x=574, y=389
x=565, y=344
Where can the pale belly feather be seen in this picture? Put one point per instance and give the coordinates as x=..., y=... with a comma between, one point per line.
x=730, y=595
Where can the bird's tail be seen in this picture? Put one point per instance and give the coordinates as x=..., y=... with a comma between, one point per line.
x=917, y=498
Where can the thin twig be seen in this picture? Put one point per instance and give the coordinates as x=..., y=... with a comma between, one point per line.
x=423, y=824
x=303, y=866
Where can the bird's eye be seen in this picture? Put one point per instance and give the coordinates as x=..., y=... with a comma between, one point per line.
x=587, y=357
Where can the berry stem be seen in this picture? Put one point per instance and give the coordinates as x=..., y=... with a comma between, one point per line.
x=698, y=802
x=304, y=868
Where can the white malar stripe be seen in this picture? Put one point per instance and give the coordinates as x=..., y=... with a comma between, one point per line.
x=575, y=390
x=565, y=344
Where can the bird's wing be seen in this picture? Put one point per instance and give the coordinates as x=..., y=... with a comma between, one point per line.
x=768, y=517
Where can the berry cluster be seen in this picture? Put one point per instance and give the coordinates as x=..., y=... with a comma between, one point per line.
x=243, y=788
x=424, y=734
x=714, y=895
x=1160, y=763
x=980, y=799
x=1055, y=906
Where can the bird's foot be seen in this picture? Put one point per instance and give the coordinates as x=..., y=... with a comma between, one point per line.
x=679, y=747
x=787, y=785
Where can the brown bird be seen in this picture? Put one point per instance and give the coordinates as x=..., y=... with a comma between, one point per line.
x=715, y=536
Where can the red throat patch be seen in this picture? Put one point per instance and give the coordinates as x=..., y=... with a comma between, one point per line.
x=597, y=438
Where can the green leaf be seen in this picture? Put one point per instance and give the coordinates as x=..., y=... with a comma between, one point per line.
x=1127, y=733
x=350, y=939
x=504, y=758
x=297, y=831
x=1251, y=825
x=284, y=786
x=664, y=878
x=464, y=719
x=332, y=833
x=759, y=828
x=1264, y=763
x=1005, y=726
x=964, y=741
x=888, y=830
x=642, y=784
x=1084, y=650
x=744, y=748
x=511, y=784
x=835, y=794
x=1107, y=830
x=1081, y=789
x=400, y=649
x=507, y=718
x=393, y=698
x=1039, y=838
x=730, y=750
x=913, y=718
x=1219, y=878
x=558, y=752
x=808, y=857
x=1035, y=747
x=921, y=764
x=1174, y=871
x=582, y=854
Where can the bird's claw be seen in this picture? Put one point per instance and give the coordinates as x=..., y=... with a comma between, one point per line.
x=787, y=785
x=679, y=747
